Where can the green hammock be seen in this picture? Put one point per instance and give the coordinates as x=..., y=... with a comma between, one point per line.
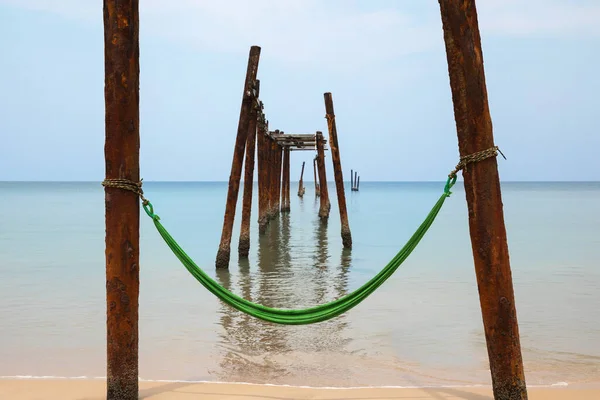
x=310, y=315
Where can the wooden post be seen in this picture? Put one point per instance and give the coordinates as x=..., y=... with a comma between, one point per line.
x=276, y=180
x=286, y=179
x=244, y=243
x=285, y=192
x=223, y=254
x=301, y=189
x=122, y=208
x=357, y=183
x=325, y=205
x=337, y=171
x=317, y=191
x=355, y=180
x=263, y=147
x=273, y=179
x=484, y=201
x=351, y=179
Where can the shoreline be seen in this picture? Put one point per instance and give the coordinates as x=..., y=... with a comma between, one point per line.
x=77, y=388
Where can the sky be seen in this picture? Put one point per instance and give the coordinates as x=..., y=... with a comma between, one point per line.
x=383, y=61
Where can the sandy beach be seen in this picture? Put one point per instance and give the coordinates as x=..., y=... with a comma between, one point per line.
x=80, y=389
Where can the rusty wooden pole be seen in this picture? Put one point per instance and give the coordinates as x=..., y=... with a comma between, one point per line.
x=317, y=191
x=278, y=179
x=285, y=193
x=122, y=208
x=223, y=254
x=244, y=243
x=283, y=180
x=263, y=147
x=337, y=171
x=301, y=189
x=325, y=205
x=272, y=178
x=484, y=200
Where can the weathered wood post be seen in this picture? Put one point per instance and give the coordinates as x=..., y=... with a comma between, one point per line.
x=122, y=208
x=278, y=179
x=285, y=192
x=223, y=254
x=482, y=187
x=301, y=188
x=317, y=191
x=325, y=205
x=263, y=147
x=351, y=179
x=337, y=171
x=273, y=179
x=356, y=180
x=244, y=243
x=357, y=183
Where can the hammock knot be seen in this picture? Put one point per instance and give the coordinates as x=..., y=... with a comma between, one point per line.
x=473, y=158
x=126, y=184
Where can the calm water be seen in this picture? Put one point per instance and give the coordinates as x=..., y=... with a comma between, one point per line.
x=423, y=327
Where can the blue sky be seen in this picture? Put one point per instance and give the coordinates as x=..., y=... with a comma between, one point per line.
x=384, y=62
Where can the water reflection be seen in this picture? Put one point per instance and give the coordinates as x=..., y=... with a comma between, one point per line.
x=256, y=351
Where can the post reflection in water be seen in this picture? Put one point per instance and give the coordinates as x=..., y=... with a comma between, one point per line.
x=286, y=276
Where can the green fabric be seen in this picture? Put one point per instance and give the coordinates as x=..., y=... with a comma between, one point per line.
x=310, y=315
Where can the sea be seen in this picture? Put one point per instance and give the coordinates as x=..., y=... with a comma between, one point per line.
x=423, y=327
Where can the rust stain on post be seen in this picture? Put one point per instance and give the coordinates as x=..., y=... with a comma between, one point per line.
x=122, y=209
x=317, y=191
x=223, y=254
x=337, y=171
x=244, y=243
x=285, y=193
x=325, y=205
x=263, y=147
x=482, y=187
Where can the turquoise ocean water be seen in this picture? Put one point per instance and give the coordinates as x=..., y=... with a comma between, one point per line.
x=423, y=327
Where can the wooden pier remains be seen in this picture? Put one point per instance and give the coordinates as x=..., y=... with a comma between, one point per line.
x=275, y=148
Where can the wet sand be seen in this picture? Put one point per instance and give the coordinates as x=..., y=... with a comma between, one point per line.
x=75, y=389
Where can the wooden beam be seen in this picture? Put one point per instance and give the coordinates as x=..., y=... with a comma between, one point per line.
x=122, y=208
x=244, y=243
x=223, y=254
x=337, y=171
x=325, y=205
x=484, y=200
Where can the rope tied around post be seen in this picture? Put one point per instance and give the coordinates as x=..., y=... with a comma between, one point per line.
x=473, y=158
x=135, y=187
